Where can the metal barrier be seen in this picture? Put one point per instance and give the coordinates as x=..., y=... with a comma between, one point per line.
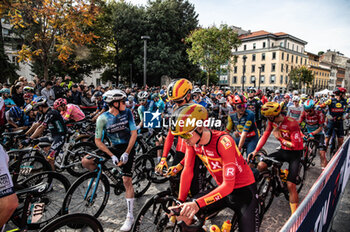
x=316, y=211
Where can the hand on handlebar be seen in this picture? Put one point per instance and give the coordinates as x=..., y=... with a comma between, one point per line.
x=188, y=211
x=161, y=165
x=174, y=170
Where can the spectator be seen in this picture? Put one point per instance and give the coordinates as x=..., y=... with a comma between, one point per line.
x=17, y=94
x=48, y=93
x=76, y=95
x=40, y=87
x=58, y=89
x=23, y=80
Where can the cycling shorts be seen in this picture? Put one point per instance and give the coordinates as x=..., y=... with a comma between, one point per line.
x=293, y=159
x=244, y=201
x=6, y=185
x=321, y=142
x=332, y=125
x=56, y=146
x=118, y=150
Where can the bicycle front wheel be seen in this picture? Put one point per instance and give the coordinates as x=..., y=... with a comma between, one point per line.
x=87, y=195
x=72, y=222
x=141, y=179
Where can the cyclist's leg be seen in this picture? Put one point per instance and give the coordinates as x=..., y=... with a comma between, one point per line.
x=329, y=132
x=56, y=146
x=340, y=133
x=262, y=165
x=322, y=149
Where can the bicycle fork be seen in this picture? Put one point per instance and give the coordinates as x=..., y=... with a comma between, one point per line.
x=99, y=168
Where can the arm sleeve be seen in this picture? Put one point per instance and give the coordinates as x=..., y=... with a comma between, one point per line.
x=227, y=149
x=168, y=143
x=139, y=111
x=100, y=124
x=187, y=173
x=265, y=136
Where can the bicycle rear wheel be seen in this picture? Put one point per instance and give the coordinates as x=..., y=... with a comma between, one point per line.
x=72, y=222
x=266, y=190
x=152, y=216
x=50, y=200
x=80, y=198
x=141, y=179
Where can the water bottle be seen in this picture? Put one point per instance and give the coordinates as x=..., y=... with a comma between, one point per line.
x=226, y=227
x=214, y=228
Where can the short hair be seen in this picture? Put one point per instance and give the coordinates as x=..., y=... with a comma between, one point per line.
x=48, y=83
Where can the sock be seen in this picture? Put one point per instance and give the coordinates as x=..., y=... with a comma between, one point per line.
x=293, y=207
x=130, y=204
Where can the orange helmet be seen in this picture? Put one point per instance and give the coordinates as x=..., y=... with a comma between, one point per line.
x=178, y=89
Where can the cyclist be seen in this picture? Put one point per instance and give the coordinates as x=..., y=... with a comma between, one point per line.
x=336, y=109
x=197, y=98
x=51, y=119
x=287, y=131
x=144, y=104
x=217, y=149
x=119, y=126
x=224, y=109
x=278, y=97
x=254, y=105
x=303, y=98
x=8, y=197
x=158, y=104
x=243, y=122
x=69, y=112
x=16, y=118
x=5, y=94
x=314, y=121
x=261, y=96
x=295, y=110
x=101, y=106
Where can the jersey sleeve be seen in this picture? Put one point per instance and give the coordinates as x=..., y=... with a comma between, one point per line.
x=100, y=126
x=66, y=115
x=168, y=143
x=131, y=120
x=139, y=111
x=187, y=173
x=302, y=117
x=264, y=137
x=295, y=136
x=228, y=151
x=229, y=125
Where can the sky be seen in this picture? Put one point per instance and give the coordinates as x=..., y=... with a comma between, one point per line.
x=323, y=24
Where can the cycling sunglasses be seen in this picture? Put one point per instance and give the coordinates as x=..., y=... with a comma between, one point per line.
x=186, y=136
x=179, y=101
x=241, y=106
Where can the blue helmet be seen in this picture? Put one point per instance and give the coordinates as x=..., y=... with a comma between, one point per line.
x=153, y=96
x=5, y=90
x=16, y=112
x=309, y=104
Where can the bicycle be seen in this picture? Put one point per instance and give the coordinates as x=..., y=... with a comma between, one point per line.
x=310, y=151
x=90, y=192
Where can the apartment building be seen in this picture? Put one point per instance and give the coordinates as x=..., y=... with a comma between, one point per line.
x=267, y=57
x=321, y=72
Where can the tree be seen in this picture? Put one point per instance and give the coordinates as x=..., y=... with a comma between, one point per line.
x=299, y=77
x=52, y=29
x=212, y=47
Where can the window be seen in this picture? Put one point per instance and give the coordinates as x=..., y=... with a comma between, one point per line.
x=272, y=79
x=273, y=67
x=253, y=57
x=287, y=57
x=288, y=45
x=254, y=45
x=301, y=60
x=253, y=68
x=282, y=56
x=272, y=44
x=252, y=79
x=301, y=50
x=281, y=44
x=235, y=69
x=262, y=56
x=274, y=55
x=262, y=68
x=264, y=44
x=296, y=59
x=292, y=58
x=245, y=47
x=292, y=46
x=286, y=79
x=234, y=80
x=281, y=67
x=287, y=68
x=262, y=79
x=281, y=80
x=305, y=62
x=297, y=48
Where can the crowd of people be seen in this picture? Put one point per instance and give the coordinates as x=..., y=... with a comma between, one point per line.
x=249, y=118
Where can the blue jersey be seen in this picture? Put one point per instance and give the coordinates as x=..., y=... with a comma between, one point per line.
x=244, y=124
x=160, y=106
x=202, y=103
x=116, y=128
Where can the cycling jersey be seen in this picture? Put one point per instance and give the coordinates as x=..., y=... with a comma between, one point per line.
x=54, y=121
x=202, y=103
x=336, y=108
x=244, y=124
x=73, y=112
x=295, y=112
x=224, y=162
x=263, y=99
x=313, y=122
x=6, y=185
x=254, y=105
x=117, y=128
x=290, y=131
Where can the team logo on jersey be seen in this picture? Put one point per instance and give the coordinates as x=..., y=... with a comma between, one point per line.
x=209, y=153
x=248, y=123
x=226, y=142
x=229, y=171
x=152, y=120
x=338, y=105
x=211, y=199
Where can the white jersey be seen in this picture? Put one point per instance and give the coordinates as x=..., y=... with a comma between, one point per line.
x=295, y=112
x=6, y=185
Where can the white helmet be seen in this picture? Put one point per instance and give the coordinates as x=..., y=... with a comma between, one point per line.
x=303, y=96
x=296, y=98
x=196, y=90
x=222, y=100
x=295, y=92
x=114, y=95
x=277, y=91
x=143, y=95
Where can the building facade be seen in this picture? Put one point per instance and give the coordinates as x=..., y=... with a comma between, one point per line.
x=266, y=58
x=321, y=72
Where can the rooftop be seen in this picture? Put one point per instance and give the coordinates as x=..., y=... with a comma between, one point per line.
x=262, y=34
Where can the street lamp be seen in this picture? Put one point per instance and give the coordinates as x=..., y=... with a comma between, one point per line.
x=144, y=38
x=259, y=76
x=244, y=59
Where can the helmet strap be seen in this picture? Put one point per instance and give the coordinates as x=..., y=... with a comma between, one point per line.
x=200, y=136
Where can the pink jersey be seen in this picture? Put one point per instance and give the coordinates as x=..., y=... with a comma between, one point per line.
x=73, y=112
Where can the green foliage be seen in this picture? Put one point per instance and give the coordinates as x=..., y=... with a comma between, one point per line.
x=320, y=53
x=300, y=76
x=212, y=47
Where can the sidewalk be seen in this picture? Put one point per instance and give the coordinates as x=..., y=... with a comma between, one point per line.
x=341, y=222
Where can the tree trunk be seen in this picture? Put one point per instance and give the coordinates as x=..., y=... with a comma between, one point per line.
x=208, y=76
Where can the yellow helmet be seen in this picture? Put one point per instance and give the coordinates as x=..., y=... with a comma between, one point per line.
x=271, y=109
x=185, y=118
x=227, y=93
x=178, y=89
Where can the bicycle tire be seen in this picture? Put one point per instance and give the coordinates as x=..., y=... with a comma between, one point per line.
x=73, y=221
x=141, y=179
x=70, y=196
x=150, y=208
x=153, y=153
x=266, y=186
x=48, y=197
x=78, y=170
x=25, y=171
